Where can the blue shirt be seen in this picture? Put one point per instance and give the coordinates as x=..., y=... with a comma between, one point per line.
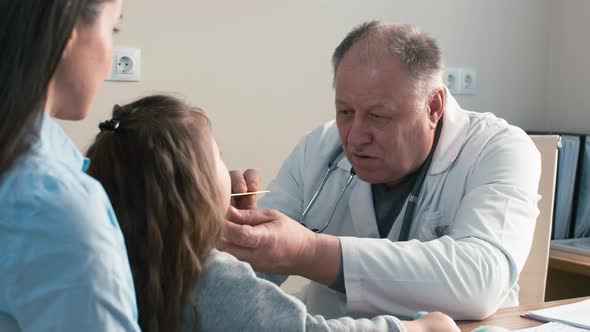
x=63, y=262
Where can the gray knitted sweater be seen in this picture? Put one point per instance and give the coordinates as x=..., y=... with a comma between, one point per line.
x=230, y=297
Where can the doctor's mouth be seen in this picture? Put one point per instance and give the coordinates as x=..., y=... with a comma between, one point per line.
x=363, y=159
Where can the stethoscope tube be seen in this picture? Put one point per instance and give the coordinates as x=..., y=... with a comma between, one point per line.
x=330, y=169
x=350, y=177
x=339, y=154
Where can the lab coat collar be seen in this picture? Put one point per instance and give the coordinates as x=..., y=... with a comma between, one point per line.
x=361, y=209
x=452, y=136
x=344, y=163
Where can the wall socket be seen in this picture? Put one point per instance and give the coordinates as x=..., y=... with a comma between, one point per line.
x=126, y=65
x=461, y=80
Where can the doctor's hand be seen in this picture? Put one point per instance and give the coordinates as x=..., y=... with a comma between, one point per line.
x=274, y=243
x=241, y=183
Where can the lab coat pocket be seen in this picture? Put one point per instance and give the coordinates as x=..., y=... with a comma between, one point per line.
x=432, y=226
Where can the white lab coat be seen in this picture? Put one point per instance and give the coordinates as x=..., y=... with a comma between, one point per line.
x=471, y=234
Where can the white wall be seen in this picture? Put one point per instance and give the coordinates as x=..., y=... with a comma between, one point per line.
x=261, y=69
x=567, y=103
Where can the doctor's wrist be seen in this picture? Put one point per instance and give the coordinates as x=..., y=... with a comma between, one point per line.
x=321, y=263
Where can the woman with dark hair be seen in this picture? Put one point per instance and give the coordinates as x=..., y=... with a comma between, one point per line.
x=170, y=189
x=63, y=262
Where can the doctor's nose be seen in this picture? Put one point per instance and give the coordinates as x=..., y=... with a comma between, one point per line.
x=359, y=133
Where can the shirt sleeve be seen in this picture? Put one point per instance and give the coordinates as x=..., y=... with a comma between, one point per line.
x=230, y=297
x=470, y=272
x=69, y=269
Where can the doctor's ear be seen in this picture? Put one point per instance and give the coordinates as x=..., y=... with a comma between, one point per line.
x=436, y=106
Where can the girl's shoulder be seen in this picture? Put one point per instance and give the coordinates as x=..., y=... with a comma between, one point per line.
x=221, y=266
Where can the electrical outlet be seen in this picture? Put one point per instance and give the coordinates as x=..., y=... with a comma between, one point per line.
x=126, y=65
x=451, y=78
x=468, y=81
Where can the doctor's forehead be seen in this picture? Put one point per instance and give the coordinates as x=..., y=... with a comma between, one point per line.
x=367, y=104
x=374, y=77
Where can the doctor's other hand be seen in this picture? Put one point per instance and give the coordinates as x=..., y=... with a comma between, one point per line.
x=274, y=243
x=432, y=322
x=241, y=183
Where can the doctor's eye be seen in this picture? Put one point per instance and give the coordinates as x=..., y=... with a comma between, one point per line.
x=345, y=112
x=377, y=116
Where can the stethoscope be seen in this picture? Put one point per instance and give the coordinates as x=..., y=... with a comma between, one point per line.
x=412, y=198
x=332, y=165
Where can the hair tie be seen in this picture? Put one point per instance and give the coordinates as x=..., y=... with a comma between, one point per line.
x=111, y=125
x=116, y=110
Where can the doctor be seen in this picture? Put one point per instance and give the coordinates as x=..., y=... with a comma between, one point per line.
x=406, y=202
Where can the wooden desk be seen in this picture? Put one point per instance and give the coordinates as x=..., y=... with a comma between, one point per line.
x=569, y=262
x=510, y=317
x=568, y=275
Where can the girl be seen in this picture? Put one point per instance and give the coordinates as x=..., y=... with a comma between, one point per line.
x=63, y=264
x=161, y=167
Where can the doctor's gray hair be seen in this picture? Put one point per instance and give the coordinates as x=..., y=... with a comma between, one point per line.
x=418, y=51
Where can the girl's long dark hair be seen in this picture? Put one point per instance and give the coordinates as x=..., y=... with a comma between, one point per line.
x=155, y=161
x=33, y=35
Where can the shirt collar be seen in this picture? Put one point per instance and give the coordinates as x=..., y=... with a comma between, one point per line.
x=54, y=142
